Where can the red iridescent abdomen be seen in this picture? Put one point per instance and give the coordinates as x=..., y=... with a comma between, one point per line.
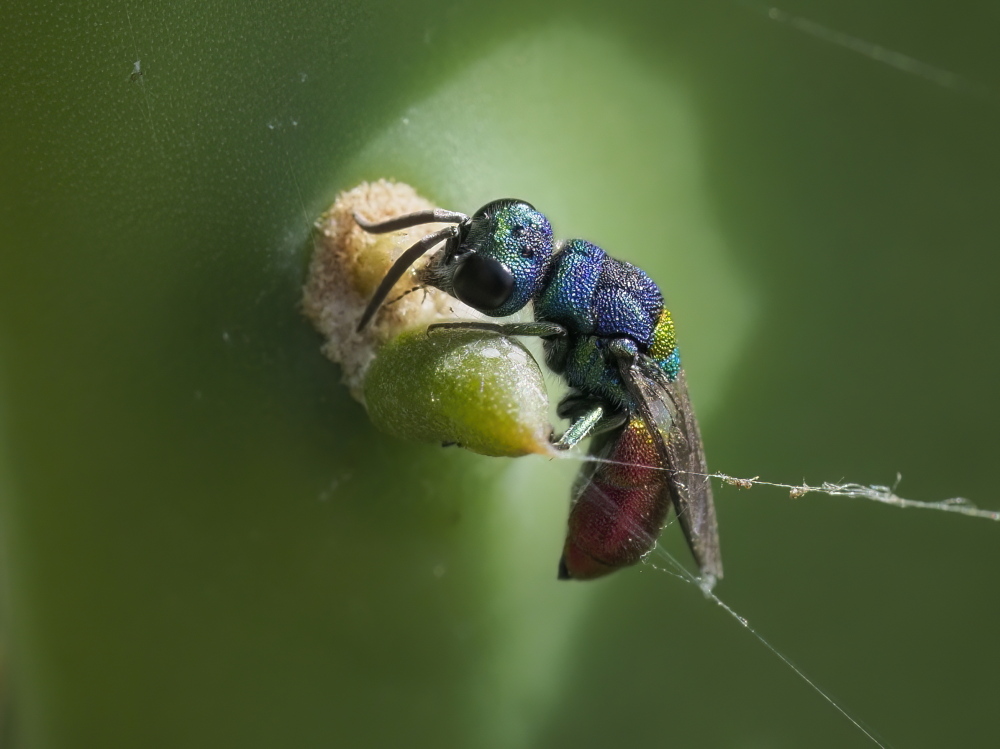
x=620, y=505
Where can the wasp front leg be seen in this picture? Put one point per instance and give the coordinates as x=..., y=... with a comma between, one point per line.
x=535, y=329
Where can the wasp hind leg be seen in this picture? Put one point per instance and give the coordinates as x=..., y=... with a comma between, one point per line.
x=589, y=418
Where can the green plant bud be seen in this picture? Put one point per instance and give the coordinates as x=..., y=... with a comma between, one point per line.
x=482, y=391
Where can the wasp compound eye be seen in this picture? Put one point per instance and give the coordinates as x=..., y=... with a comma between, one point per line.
x=482, y=282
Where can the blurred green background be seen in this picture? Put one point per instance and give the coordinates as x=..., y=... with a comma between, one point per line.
x=205, y=543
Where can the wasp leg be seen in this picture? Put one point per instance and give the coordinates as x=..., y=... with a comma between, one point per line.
x=539, y=329
x=623, y=350
x=594, y=421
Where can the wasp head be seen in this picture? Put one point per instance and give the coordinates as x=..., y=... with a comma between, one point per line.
x=497, y=263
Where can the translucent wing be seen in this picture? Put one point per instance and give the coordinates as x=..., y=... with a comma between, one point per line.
x=666, y=409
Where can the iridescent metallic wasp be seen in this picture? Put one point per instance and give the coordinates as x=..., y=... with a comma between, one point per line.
x=605, y=330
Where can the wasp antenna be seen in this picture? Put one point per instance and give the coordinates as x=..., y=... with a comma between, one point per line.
x=400, y=267
x=430, y=216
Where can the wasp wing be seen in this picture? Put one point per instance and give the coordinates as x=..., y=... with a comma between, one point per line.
x=666, y=408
